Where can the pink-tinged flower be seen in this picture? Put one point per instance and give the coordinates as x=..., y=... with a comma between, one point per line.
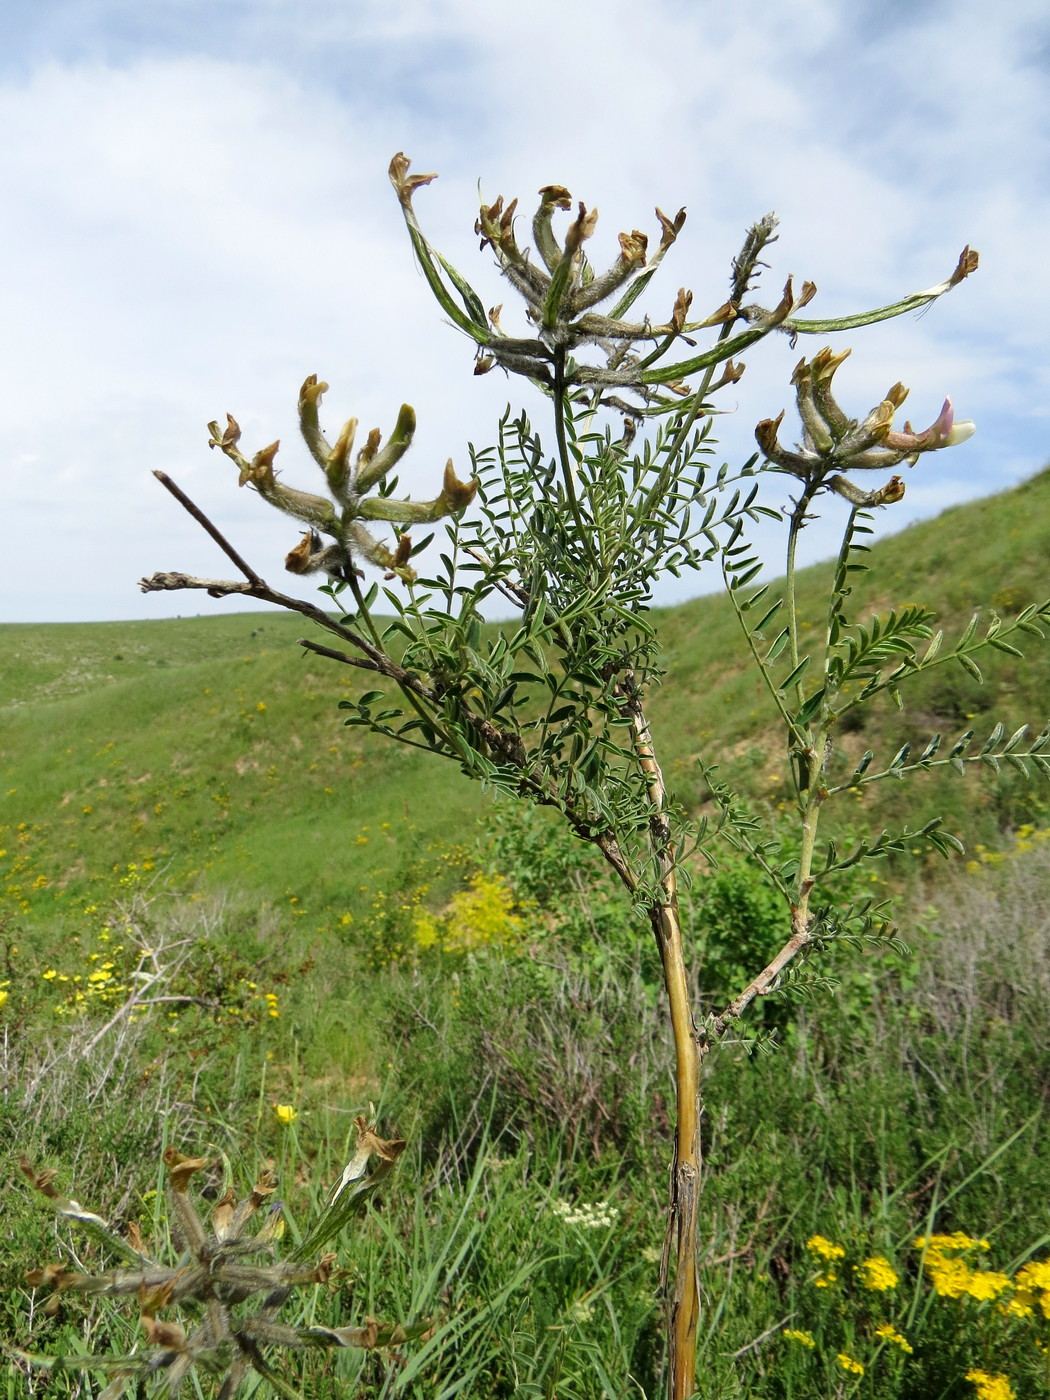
x=945, y=432
x=833, y=443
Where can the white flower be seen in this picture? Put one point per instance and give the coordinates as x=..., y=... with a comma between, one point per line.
x=600, y=1215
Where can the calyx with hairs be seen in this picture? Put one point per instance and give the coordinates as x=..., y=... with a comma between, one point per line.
x=349, y=479
x=833, y=443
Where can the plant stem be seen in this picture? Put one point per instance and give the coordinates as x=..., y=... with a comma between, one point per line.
x=798, y=519
x=567, y=467
x=684, y=1301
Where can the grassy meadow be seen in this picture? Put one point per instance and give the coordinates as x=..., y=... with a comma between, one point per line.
x=230, y=924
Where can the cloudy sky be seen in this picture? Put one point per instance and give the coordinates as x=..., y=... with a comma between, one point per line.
x=196, y=215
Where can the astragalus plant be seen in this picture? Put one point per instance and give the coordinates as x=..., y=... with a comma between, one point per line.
x=571, y=537
x=219, y=1283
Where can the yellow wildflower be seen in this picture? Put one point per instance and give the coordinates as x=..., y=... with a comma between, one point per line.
x=950, y=1277
x=990, y=1387
x=823, y=1248
x=795, y=1334
x=986, y=1285
x=1022, y=1304
x=1034, y=1275
x=877, y=1274
x=3, y=997
x=939, y=1243
x=826, y=1280
x=855, y=1368
x=889, y=1333
x=49, y=975
x=286, y=1114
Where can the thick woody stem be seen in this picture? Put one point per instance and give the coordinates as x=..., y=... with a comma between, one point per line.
x=684, y=1302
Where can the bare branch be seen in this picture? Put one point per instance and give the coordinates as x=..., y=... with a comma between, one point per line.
x=202, y=520
x=336, y=655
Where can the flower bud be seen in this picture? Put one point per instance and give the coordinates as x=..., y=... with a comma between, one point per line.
x=671, y=228
x=260, y=469
x=181, y=1168
x=222, y=1213
x=633, y=247
x=766, y=434
x=682, y=302
x=338, y=468
x=456, y=494
x=731, y=373
x=405, y=184
x=581, y=228
x=169, y=1336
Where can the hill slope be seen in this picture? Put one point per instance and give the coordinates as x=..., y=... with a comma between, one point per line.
x=211, y=747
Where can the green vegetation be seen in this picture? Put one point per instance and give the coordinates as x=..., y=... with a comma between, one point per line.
x=261, y=958
x=181, y=764
x=533, y=1087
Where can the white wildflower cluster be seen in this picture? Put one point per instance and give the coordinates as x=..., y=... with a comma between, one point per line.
x=588, y=1217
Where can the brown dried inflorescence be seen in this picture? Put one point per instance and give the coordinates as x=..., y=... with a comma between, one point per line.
x=231, y=1280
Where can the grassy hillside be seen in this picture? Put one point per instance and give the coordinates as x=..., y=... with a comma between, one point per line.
x=531, y=1077
x=212, y=748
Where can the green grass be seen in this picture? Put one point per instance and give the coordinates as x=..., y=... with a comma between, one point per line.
x=228, y=766
x=215, y=749
x=910, y=1104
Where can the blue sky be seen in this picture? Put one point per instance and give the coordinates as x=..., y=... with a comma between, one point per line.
x=197, y=215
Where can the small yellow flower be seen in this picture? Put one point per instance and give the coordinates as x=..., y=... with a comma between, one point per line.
x=855, y=1368
x=889, y=1333
x=795, y=1334
x=1022, y=1304
x=261, y=707
x=823, y=1248
x=286, y=1114
x=3, y=997
x=950, y=1277
x=1034, y=1275
x=877, y=1274
x=937, y=1244
x=49, y=975
x=990, y=1387
x=826, y=1280
x=986, y=1285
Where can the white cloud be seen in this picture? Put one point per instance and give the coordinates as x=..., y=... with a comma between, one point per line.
x=202, y=217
